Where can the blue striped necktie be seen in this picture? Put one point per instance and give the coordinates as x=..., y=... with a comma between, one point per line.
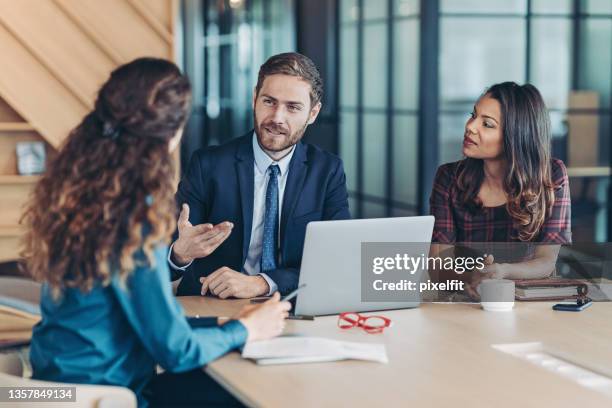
x=270, y=231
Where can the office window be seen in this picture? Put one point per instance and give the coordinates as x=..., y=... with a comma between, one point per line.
x=405, y=159
x=348, y=145
x=552, y=6
x=375, y=163
x=596, y=54
x=225, y=43
x=348, y=64
x=551, y=40
x=595, y=7
x=475, y=52
x=406, y=68
x=483, y=6
x=563, y=48
x=388, y=133
x=374, y=79
x=378, y=88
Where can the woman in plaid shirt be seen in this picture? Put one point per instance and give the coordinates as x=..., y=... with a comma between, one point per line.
x=507, y=188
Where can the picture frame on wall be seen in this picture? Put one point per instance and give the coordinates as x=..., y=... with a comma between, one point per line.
x=31, y=157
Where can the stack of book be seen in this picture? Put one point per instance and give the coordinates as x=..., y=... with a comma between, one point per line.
x=17, y=317
x=550, y=289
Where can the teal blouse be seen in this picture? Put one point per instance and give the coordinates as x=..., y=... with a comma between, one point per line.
x=116, y=335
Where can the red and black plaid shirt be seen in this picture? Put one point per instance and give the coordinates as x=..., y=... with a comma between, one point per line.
x=456, y=224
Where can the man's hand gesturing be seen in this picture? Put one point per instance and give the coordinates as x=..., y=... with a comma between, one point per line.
x=197, y=241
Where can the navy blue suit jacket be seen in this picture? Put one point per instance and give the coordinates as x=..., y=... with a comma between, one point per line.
x=219, y=186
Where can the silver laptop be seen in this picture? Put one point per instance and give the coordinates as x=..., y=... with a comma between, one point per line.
x=331, y=262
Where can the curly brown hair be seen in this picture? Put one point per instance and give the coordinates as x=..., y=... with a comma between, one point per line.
x=109, y=193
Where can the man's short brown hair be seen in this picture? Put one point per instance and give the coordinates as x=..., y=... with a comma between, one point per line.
x=294, y=64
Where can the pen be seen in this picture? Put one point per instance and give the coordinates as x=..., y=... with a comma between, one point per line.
x=294, y=293
x=300, y=317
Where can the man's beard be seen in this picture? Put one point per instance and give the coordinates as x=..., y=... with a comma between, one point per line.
x=289, y=141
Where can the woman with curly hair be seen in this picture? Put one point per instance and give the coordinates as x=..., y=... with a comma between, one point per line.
x=98, y=226
x=507, y=188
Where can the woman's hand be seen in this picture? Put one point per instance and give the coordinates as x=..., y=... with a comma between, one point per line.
x=265, y=320
x=490, y=271
x=496, y=270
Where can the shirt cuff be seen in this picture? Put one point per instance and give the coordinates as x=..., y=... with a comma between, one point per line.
x=236, y=332
x=271, y=284
x=172, y=265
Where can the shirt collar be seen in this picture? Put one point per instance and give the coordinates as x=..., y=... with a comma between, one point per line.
x=263, y=161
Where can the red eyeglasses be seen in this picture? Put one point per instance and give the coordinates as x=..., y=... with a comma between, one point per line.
x=371, y=324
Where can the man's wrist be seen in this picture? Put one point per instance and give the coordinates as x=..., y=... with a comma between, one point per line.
x=264, y=288
x=177, y=259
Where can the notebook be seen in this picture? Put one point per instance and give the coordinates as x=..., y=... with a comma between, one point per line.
x=549, y=289
x=17, y=317
x=297, y=349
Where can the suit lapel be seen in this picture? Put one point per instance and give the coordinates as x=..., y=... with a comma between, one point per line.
x=246, y=176
x=293, y=188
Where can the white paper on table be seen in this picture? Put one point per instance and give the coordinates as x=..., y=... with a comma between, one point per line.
x=284, y=350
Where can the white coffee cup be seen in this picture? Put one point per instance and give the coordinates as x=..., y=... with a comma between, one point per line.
x=496, y=295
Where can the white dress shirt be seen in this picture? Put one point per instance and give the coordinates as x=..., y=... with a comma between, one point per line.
x=252, y=264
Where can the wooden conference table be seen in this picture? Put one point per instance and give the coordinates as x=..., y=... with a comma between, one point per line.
x=439, y=355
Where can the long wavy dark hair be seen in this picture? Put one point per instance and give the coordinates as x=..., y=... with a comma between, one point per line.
x=110, y=191
x=526, y=149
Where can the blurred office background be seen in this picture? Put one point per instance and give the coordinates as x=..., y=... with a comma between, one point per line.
x=401, y=78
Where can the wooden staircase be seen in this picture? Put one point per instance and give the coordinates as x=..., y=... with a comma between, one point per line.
x=55, y=56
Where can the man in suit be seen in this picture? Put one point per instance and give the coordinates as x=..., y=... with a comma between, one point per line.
x=246, y=204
